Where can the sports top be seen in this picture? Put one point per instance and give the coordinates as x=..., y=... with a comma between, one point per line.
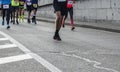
x=14, y=2
x=28, y=2
x=21, y=2
x=5, y=1
x=70, y=3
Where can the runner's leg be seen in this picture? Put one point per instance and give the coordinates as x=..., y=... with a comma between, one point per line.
x=71, y=18
x=3, y=16
x=8, y=18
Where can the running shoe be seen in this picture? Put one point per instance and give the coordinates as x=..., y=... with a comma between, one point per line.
x=72, y=28
x=28, y=21
x=17, y=22
x=8, y=27
x=57, y=37
x=13, y=21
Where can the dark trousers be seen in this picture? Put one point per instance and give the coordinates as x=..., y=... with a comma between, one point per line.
x=70, y=11
x=6, y=12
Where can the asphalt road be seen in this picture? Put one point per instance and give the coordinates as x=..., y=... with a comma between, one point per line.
x=30, y=48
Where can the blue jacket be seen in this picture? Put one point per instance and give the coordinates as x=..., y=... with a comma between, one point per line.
x=6, y=1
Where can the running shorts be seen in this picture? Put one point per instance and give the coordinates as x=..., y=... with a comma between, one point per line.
x=60, y=6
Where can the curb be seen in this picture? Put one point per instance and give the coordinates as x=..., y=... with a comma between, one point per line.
x=84, y=26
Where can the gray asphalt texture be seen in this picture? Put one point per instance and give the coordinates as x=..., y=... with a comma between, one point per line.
x=81, y=50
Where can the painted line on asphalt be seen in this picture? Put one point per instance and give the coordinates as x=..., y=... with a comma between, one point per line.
x=7, y=46
x=14, y=58
x=38, y=58
x=3, y=39
x=95, y=65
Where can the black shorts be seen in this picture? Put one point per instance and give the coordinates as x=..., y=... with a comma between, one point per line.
x=14, y=8
x=60, y=7
x=29, y=8
x=34, y=6
x=21, y=7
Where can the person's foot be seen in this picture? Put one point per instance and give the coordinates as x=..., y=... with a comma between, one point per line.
x=3, y=23
x=13, y=21
x=57, y=37
x=17, y=22
x=72, y=28
x=29, y=21
x=34, y=20
x=8, y=27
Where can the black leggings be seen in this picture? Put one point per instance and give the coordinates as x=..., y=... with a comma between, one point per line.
x=70, y=11
x=6, y=12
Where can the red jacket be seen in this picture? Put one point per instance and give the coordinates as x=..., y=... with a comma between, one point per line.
x=70, y=3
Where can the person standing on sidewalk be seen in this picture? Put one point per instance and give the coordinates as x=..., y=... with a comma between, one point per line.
x=60, y=11
x=35, y=6
x=70, y=11
x=15, y=10
x=6, y=12
x=29, y=9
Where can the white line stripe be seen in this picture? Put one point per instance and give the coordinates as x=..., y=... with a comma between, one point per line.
x=14, y=58
x=38, y=58
x=45, y=63
x=3, y=39
x=96, y=64
x=7, y=46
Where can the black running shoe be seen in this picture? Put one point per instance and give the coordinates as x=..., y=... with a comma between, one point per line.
x=29, y=21
x=17, y=22
x=13, y=22
x=57, y=37
x=72, y=28
x=8, y=27
x=33, y=19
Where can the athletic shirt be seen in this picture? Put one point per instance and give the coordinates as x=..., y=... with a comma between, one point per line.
x=0, y=1
x=5, y=1
x=21, y=2
x=29, y=2
x=15, y=2
x=35, y=3
x=70, y=3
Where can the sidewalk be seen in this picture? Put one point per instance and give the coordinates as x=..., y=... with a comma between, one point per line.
x=99, y=26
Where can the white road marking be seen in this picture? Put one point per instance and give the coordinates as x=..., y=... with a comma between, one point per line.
x=3, y=39
x=14, y=58
x=96, y=64
x=38, y=58
x=7, y=46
